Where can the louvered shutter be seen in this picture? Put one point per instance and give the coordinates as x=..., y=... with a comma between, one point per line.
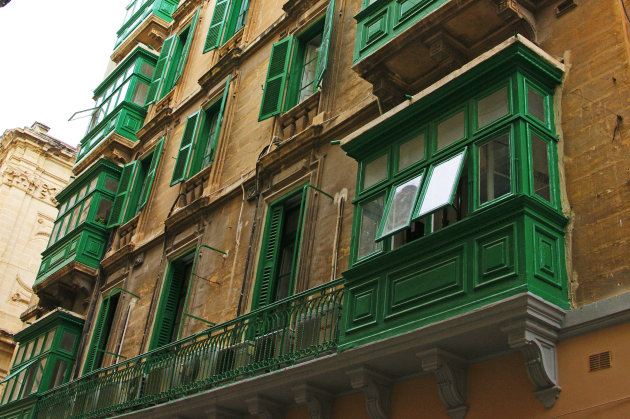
x=217, y=127
x=182, y=60
x=185, y=149
x=167, y=312
x=122, y=192
x=276, y=78
x=148, y=180
x=160, y=69
x=322, y=59
x=269, y=257
x=217, y=23
x=96, y=337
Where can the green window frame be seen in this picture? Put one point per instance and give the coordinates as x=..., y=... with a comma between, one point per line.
x=171, y=62
x=280, y=249
x=199, y=140
x=135, y=186
x=101, y=332
x=294, y=73
x=228, y=18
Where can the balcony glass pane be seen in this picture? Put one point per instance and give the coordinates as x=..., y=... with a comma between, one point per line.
x=536, y=104
x=93, y=184
x=451, y=130
x=400, y=206
x=29, y=350
x=375, y=171
x=38, y=345
x=38, y=375
x=49, y=340
x=67, y=341
x=147, y=69
x=103, y=211
x=140, y=95
x=540, y=161
x=59, y=371
x=371, y=214
x=411, y=152
x=494, y=169
x=439, y=188
x=85, y=209
x=111, y=184
x=492, y=107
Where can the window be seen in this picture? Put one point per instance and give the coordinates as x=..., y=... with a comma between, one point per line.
x=296, y=67
x=171, y=308
x=134, y=188
x=100, y=335
x=170, y=64
x=277, y=267
x=227, y=19
x=199, y=140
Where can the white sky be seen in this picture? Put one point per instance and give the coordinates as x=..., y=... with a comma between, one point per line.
x=53, y=54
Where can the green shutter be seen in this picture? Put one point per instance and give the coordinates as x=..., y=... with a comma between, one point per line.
x=268, y=256
x=122, y=193
x=167, y=310
x=148, y=180
x=219, y=17
x=217, y=128
x=95, y=343
x=160, y=69
x=185, y=149
x=189, y=38
x=322, y=59
x=276, y=78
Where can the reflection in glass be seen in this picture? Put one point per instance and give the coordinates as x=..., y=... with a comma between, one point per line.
x=536, y=104
x=492, y=107
x=440, y=186
x=67, y=341
x=371, y=214
x=494, y=169
x=140, y=95
x=375, y=171
x=401, y=205
x=59, y=371
x=411, y=152
x=540, y=161
x=111, y=184
x=450, y=130
x=103, y=211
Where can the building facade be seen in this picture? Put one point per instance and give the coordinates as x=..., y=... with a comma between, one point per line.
x=34, y=167
x=343, y=209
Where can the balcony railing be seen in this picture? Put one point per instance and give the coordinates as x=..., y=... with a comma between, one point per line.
x=284, y=333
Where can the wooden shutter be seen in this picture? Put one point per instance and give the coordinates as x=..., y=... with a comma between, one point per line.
x=322, y=59
x=185, y=149
x=217, y=23
x=276, y=78
x=217, y=127
x=189, y=39
x=160, y=69
x=96, y=337
x=269, y=256
x=167, y=311
x=148, y=180
x=122, y=192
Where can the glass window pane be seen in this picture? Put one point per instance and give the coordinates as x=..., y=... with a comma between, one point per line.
x=20, y=353
x=82, y=193
x=67, y=341
x=38, y=345
x=64, y=207
x=18, y=385
x=111, y=184
x=141, y=94
x=400, y=205
x=375, y=171
x=103, y=211
x=308, y=68
x=123, y=92
x=450, y=130
x=536, y=104
x=38, y=375
x=494, y=169
x=540, y=161
x=64, y=224
x=55, y=230
x=371, y=214
x=7, y=390
x=75, y=216
x=29, y=349
x=84, y=211
x=49, y=340
x=59, y=371
x=411, y=152
x=492, y=107
x=147, y=69
x=440, y=186
x=93, y=184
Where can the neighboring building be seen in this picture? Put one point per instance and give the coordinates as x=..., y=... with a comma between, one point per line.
x=344, y=209
x=34, y=167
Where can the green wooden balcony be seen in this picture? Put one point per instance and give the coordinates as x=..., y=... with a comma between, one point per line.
x=139, y=10
x=287, y=332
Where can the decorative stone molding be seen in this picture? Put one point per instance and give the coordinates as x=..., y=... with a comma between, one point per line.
x=298, y=118
x=377, y=389
x=319, y=402
x=264, y=408
x=450, y=372
x=32, y=185
x=537, y=343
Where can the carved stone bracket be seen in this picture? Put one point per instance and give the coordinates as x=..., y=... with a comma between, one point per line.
x=377, y=389
x=537, y=343
x=319, y=402
x=264, y=408
x=450, y=372
x=446, y=51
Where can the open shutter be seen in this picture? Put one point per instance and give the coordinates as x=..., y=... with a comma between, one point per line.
x=269, y=256
x=276, y=78
x=160, y=69
x=96, y=337
x=182, y=60
x=120, y=200
x=217, y=127
x=167, y=311
x=322, y=59
x=148, y=180
x=217, y=23
x=185, y=149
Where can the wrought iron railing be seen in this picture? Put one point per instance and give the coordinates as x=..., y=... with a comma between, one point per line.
x=286, y=332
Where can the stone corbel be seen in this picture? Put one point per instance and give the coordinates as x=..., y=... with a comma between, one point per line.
x=537, y=343
x=218, y=412
x=446, y=51
x=450, y=372
x=377, y=389
x=510, y=9
x=264, y=408
x=319, y=402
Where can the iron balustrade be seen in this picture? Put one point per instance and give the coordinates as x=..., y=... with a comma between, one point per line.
x=286, y=332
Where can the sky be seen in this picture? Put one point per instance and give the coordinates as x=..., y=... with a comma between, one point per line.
x=53, y=54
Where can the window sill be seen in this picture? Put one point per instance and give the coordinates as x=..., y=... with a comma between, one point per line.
x=298, y=118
